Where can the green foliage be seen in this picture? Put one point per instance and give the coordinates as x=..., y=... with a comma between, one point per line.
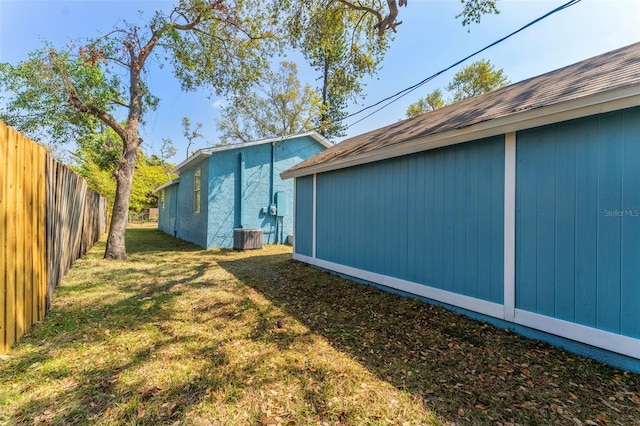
x=337, y=41
x=432, y=101
x=345, y=41
x=96, y=161
x=190, y=133
x=279, y=106
x=473, y=80
x=100, y=179
x=64, y=94
x=473, y=10
x=167, y=150
x=36, y=94
x=228, y=47
x=151, y=172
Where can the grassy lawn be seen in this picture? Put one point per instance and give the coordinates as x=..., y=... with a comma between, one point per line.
x=181, y=335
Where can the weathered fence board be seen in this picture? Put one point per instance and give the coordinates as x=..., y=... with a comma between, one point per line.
x=76, y=219
x=48, y=219
x=22, y=237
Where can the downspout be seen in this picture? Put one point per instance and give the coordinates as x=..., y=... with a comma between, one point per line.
x=271, y=189
x=175, y=211
x=240, y=201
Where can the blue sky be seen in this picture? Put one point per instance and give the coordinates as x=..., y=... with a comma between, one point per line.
x=429, y=40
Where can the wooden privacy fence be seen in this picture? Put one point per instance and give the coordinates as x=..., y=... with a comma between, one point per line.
x=48, y=219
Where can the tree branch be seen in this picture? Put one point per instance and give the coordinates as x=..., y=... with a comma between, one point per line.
x=364, y=8
x=384, y=24
x=104, y=116
x=122, y=104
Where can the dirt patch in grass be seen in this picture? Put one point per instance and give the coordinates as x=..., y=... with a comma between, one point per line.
x=181, y=335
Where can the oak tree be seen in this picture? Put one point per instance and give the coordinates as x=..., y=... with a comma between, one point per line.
x=94, y=161
x=432, y=101
x=68, y=92
x=65, y=93
x=337, y=41
x=472, y=80
x=345, y=41
x=386, y=20
x=277, y=106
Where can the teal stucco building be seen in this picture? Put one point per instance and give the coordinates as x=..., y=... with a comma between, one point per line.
x=235, y=187
x=520, y=207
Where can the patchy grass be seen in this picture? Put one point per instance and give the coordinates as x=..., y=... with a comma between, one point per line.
x=180, y=335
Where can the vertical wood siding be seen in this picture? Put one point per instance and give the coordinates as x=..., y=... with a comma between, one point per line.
x=47, y=220
x=578, y=221
x=433, y=218
x=303, y=232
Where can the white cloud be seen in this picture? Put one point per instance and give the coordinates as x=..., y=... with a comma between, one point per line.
x=218, y=103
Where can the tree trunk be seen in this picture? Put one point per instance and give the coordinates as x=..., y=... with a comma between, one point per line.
x=325, y=93
x=116, y=249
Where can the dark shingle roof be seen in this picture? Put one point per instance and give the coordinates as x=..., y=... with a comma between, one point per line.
x=613, y=70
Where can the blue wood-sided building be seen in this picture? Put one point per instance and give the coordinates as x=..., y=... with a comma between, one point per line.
x=520, y=207
x=235, y=186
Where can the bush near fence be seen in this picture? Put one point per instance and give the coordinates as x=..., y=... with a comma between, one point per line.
x=48, y=219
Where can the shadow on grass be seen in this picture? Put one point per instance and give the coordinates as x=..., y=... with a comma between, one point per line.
x=137, y=298
x=467, y=371
x=136, y=325
x=121, y=345
x=144, y=241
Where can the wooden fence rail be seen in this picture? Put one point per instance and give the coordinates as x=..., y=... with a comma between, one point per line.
x=48, y=219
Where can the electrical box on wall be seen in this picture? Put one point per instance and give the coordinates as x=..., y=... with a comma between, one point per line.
x=282, y=203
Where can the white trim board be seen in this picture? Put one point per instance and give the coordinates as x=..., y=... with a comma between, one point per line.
x=466, y=302
x=509, y=262
x=313, y=216
x=294, y=199
x=206, y=152
x=303, y=258
x=166, y=185
x=580, y=333
x=609, y=341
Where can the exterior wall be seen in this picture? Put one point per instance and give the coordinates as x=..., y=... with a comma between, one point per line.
x=578, y=221
x=225, y=192
x=538, y=229
x=228, y=193
x=304, y=216
x=288, y=154
x=167, y=213
x=434, y=218
x=192, y=226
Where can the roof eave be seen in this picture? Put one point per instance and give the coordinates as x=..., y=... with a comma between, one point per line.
x=613, y=100
x=163, y=186
x=319, y=138
x=199, y=155
x=207, y=152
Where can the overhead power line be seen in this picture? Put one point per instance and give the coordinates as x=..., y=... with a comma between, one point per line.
x=396, y=96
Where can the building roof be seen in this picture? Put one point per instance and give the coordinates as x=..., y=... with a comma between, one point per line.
x=166, y=185
x=603, y=83
x=207, y=152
